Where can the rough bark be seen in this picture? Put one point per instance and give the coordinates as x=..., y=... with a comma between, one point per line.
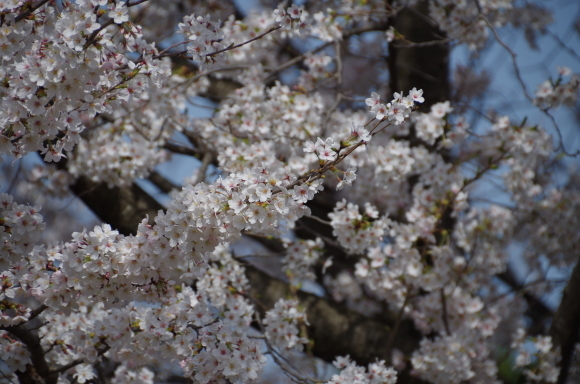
x=565, y=329
x=123, y=208
x=425, y=68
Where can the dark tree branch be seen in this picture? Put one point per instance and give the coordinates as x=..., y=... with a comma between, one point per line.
x=537, y=310
x=180, y=149
x=30, y=11
x=565, y=329
x=35, y=312
x=123, y=208
x=39, y=372
x=424, y=67
x=165, y=185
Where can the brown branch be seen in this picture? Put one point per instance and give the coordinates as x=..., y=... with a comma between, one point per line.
x=93, y=37
x=137, y=2
x=31, y=10
x=123, y=208
x=76, y=362
x=537, y=309
x=35, y=312
x=68, y=366
x=180, y=149
x=39, y=365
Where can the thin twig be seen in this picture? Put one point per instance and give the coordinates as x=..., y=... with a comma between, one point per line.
x=193, y=79
x=37, y=327
x=246, y=42
x=398, y=322
x=172, y=46
x=520, y=79
x=525, y=287
x=318, y=219
x=562, y=44
x=326, y=239
x=79, y=195
x=444, y=312
x=299, y=58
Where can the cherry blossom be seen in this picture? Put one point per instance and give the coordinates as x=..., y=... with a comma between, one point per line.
x=104, y=90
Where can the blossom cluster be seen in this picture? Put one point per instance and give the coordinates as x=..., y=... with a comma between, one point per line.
x=54, y=182
x=389, y=273
x=62, y=67
x=552, y=94
x=102, y=263
x=150, y=265
x=202, y=216
x=14, y=353
x=300, y=258
x=317, y=71
x=490, y=227
x=375, y=373
x=127, y=144
x=196, y=222
x=537, y=356
x=325, y=150
x=221, y=352
x=271, y=122
x=469, y=24
x=326, y=26
x=183, y=328
x=430, y=126
x=398, y=109
x=114, y=159
x=173, y=291
x=355, y=231
x=239, y=31
x=20, y=228
x=443, y=360
x=399, y=270
x=292, y=18
x=124, y=375
x=282, y=325
x=345, y=287
x=223, y=285
x=205, y=39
